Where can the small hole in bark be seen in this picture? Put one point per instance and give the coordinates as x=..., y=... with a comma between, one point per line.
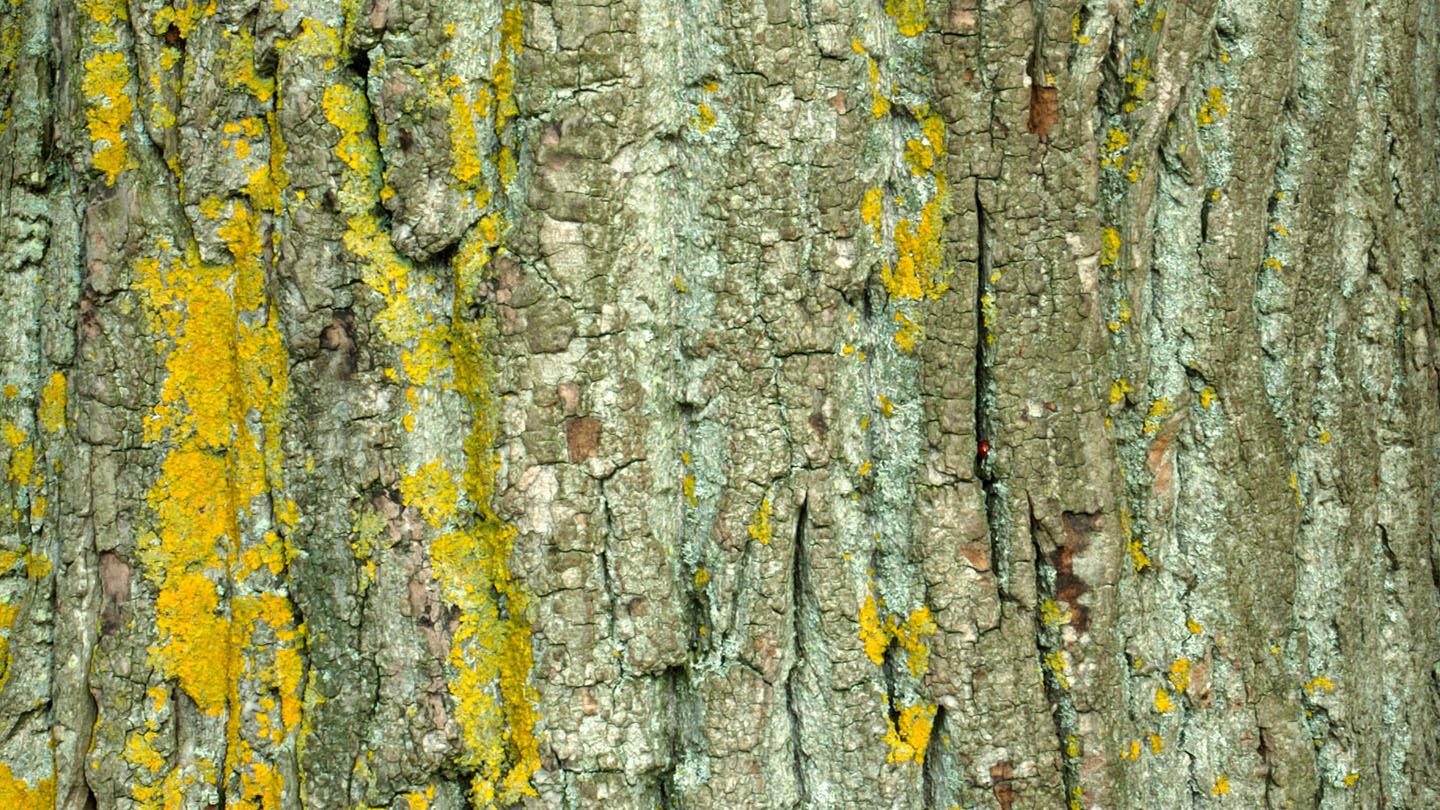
x=360, y=62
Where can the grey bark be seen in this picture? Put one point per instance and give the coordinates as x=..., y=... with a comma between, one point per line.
x=493, y=403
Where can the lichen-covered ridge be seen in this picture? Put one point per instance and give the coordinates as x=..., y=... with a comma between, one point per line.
x=907, y=404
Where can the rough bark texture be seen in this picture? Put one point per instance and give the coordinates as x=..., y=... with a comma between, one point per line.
x=838, y=404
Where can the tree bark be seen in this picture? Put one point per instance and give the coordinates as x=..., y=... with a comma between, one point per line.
x=508, y=403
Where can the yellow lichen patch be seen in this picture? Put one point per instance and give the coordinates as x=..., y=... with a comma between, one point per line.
x=8, y=613
x=1207, y=397
x=490, y=653
x=52, y=403
x=1212, y=107
x=1180, y=674
x=760, y=524
x=1112, y=153
x=1351, y=779
x=908, y=334
x=1122, y=312
x=168, y=793
x=22, y=455
x=1159, y=409
x=1109, y=247
x=909, y=15
x=1057, y=664
x=870, y=210
x=701, y=577
x=184, y=18
x=1222, y=786
x=18, y=794
x=140, y=751
x=1194, y=627
x=1053, y=614
x=1162, y=700
x=988, y=316
x=909, y=733
x=919, y=260
x=107, y=115
x=432, y=490
x=877, y=634
x=195, y=635
x=911, y=634
x=1131, y=751
x=1157, y=743
x=420, y=800
x=704, y=118
x=879, y=103
x=919, y=156
x=1118, y=390
x=1138, y=78
x=873, y=634
x=237, y=61
x=1319, y=682
x=219, y=414
x=467, y=164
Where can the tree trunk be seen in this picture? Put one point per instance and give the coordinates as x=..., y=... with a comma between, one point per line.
x=506, y=403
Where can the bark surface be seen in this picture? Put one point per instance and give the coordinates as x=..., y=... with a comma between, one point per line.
x=439, y=404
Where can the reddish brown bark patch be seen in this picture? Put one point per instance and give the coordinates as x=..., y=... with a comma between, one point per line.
x=583, y=437
x=1044, y=111
x=1001, y=773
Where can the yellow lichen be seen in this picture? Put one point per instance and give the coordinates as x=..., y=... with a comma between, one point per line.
x=1109, y=246
x=1212, y=107
x=1159, y=409
x=908, y=334
x=1162, y=700
x=909, y=733
x=1222, y=786
x=873, y=634
x=704, y=118
x=1112, y=153
x=1157, y=743
x=19, y=794
x=879, y=103
x=909, y=15
x=107, y=115
x=1118, y=390
x=870, y=210
x=52, y=403
x=911, y=634
x=1057, y=664
x=219, y=413
x=1052, y=614
x=1180, y=674
x=760, y=525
